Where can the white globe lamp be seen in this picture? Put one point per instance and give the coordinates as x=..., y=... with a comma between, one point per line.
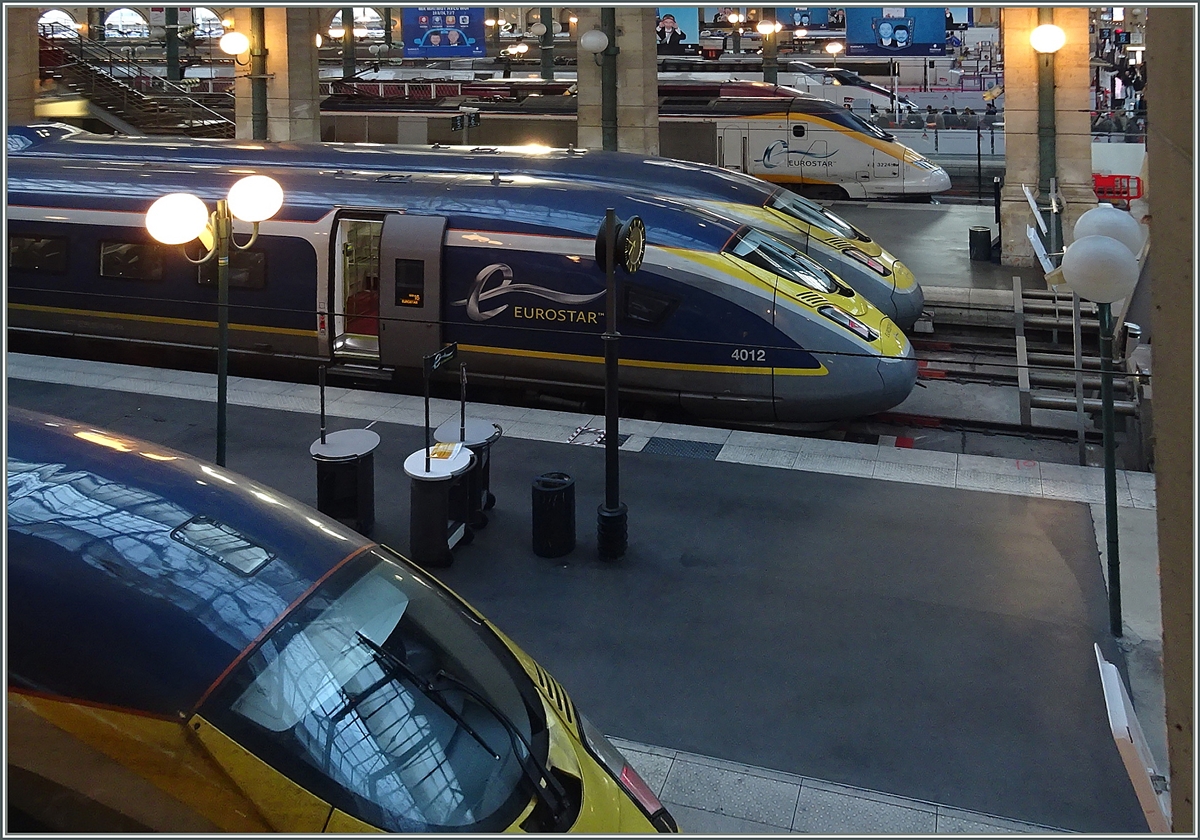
x=1106, y=220
x=593, y=41
x=1047, y=38
x=537, y=30
x=255, y=198
x=234, y=43
x=1099, y=268
x=176, y=218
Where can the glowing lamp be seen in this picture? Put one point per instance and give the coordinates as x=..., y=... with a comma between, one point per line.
x=234, y=43
x=1047, y=38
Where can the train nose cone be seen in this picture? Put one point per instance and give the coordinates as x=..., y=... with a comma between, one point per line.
x=939, y=180
x=899, y=375
x=909, y=304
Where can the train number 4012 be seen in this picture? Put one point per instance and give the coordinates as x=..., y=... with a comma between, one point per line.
x=744, y=355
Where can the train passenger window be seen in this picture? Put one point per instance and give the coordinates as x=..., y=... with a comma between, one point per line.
x=38, y=253
x=410, y=283
x=798, y=130
x=131, y=260
x=647, y=307
x=219, y=542
x=247, y=270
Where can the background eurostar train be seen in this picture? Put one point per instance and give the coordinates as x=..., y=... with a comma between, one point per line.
x=846, y=251
x=722, y=320
x=776, y=133
x=222, y=657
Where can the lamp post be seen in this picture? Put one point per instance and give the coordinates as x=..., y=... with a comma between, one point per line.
x=178, y=218
x=1101, y=265
x=236, y=44
x=833, y=48
x=544, y=31
x=769, y=30
x=1047, y=39
x=601, y=43
x=734, y=19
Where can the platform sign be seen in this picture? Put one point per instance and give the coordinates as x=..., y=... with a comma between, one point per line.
x=443, y=32
x=435, y=360
x=896, y=30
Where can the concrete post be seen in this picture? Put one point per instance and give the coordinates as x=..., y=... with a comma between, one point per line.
x=293, y=93
x=1170, y=137
x=637, y=83
x=22, y=66
x=1072, y=127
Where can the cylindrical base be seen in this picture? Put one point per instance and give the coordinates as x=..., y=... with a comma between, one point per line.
x=346, y=491
x=429, y=514
x=612, y=531
x=553, y=515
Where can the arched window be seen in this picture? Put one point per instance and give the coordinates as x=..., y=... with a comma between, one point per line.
x=367, y=24
x=208, y=25
x=57, y=24
x=126, y=23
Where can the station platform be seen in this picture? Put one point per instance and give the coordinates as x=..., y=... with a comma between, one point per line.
x=804, y=635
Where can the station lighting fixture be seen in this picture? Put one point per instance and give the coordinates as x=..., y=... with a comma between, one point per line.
x=593, y=41
x=800, y=33
x=766, y=27
x=490, y=22
x=537, y=30
x=234, y=43
x=1101, y=265
x=573, y=20
x=318, y=40
x=179, y=218
x=1047, y=38
x=735, y=18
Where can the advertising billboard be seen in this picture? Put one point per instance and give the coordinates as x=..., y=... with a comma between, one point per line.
x=443, y=32
x=891, y=30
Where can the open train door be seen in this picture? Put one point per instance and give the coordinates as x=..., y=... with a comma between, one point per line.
x=410, y=288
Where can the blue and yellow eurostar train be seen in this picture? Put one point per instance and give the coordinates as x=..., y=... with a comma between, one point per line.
x=836, y=244
x=383, y=269
x=190, y=651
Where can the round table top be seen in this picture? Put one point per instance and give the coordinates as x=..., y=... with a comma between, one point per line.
x=478, y=432
x=345, y=445
x=439, y=468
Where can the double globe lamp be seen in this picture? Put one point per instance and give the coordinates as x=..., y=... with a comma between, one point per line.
x=179, y=218
x=1101, y=266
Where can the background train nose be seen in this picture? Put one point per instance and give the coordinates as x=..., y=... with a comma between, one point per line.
x=909, y=304
x=939, y=181
x=899, y=375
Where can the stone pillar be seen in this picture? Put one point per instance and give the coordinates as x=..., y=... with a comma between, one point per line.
x=1073, y=141
x=1169, y=142
x=637, y=82
x=22, y=67
x=293, y=94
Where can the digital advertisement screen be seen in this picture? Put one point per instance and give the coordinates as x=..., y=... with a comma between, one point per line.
x=443, y=32
x=893, y=30
x=683, y=19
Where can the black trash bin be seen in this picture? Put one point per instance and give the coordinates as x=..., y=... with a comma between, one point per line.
x=981, y=244
x=346, y=477
x=553, y=515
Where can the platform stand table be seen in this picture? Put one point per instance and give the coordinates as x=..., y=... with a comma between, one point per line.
x=478, y=436
x=346, y=477
x=440, y=508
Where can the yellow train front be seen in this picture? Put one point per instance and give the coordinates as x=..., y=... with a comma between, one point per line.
x=190, y=651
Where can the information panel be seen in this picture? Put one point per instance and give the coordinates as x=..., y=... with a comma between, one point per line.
x=893, y=30
x=443, y=32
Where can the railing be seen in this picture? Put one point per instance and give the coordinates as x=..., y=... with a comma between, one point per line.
x=119, y=83
x=392, y=90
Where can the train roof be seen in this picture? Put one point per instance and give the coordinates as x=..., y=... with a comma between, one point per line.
x=137, y=574
x=506, y=203
x=679, y=178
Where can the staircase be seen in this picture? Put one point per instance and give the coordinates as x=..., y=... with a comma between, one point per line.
x=120, y=86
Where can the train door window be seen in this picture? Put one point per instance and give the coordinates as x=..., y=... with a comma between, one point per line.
x=131, y=261
x=799, y=130
x=410, y=283
x=247, y=270
x=643, y=306
x=47, y=254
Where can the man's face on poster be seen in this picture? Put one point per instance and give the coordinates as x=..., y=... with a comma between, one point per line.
x=885, y=31
x=901, y=35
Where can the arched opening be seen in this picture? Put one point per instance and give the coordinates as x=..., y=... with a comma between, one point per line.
x=208, y=24
x=57, y=24
x=126, y=23
x=368, y=23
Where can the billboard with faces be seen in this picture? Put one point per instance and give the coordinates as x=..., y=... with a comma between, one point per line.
x=895, y=31
x=443, y=32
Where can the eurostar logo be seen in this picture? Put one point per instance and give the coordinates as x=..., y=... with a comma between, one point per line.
x=779, y=153
x=507, y=287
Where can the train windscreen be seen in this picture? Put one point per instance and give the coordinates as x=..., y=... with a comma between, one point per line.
x=384, y=697
x=768, y=253
x=798, y=207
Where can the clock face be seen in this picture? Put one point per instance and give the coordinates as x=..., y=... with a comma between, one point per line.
x=633, y=244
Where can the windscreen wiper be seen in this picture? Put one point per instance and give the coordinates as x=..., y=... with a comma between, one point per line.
x=395, y=663
x=548, y=788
